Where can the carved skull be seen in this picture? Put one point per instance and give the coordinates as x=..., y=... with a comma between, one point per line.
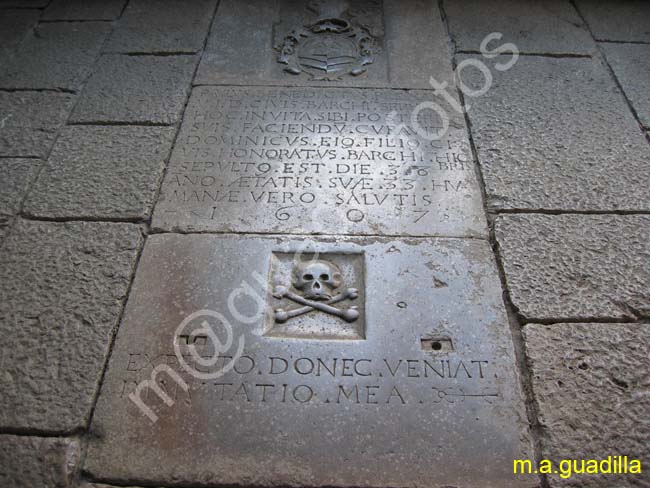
x=317, y=279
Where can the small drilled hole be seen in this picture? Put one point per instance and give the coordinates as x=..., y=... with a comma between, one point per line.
x=436, y=346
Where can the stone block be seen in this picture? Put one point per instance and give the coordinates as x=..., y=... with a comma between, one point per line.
x=162, y=26
x=102, y=173
x=61, y=293
x=84, y=10
x=631, y=65
x=15, y=25
x=29, y=122
x=557, y=134
x=548, y=27
x=617, y=21
x=326, y=161
x=56, y=56
x=577, y=267
x=397, y=370
x=29, y=462
x=15, y=177
x=136, y=90
x=590, y=383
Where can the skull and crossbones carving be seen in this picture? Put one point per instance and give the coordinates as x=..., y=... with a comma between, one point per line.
x=316, y=280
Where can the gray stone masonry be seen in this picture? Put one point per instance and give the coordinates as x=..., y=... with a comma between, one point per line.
x=62, y=290
x=162, y=26
x=136, y=90
x=577, y=266
x=591, y=388
x=30, y=462
x=161, y=158
x=102, y=172
x=56, y=56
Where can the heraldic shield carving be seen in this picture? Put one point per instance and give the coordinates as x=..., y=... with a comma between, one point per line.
x=333, y=43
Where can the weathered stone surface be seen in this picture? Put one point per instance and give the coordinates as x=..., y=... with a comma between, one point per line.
x=102, y=172
x=61, y=293
x=307, y=160
x=98, y=485
x=631, y=65
x=617, y=21
x=23, y=3
x=533, y=26
x=29, y=462
x=136, y=89
x=84, y=10
x=57, y=56
x=407, y=41
x=15, y=25
x=557, y=134
x=577, y=266
x=4, y=227
x=29, y=122
x=15, y=176
x=162, y=26
x=377, y=418
x=588, y=379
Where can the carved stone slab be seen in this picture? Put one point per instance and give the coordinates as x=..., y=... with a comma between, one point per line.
x=417, y=388
x=310, y=160
x=396, y=43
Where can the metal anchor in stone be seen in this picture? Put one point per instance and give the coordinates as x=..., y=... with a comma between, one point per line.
x=316, y=280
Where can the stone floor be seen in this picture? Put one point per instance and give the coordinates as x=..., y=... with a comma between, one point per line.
x=93, y=96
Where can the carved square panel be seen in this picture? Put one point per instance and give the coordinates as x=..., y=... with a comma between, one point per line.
x=334, y=282
x=365, y=43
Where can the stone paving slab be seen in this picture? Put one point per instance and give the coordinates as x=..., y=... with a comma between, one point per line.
x=407, y=40
x=61, y=294
x=162, y=26
x=631, y=65
x=587, y=379
x=14, y=27
x=99, y=485
x=617, y=21
x=30, y=462
x=15, y=177
x=417, y=300
x=23, y=3
x=29, y=122
x=136, y=90
x=102, y=172
x=308, y=160
x=577, y=266
x=57, y=56
x=557, y=134
x=5, y=223
x=533, y=26
x=84, y=10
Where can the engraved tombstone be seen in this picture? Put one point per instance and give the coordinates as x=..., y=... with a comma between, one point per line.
x=318, y=304
x=350, y=362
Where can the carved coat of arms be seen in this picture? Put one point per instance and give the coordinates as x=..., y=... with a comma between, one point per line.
x=332, y=45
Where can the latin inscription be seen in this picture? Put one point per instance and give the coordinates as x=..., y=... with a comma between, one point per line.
x=335, y=380
x=306, y=160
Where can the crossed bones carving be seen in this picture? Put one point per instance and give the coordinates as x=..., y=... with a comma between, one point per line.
x=316, y=279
